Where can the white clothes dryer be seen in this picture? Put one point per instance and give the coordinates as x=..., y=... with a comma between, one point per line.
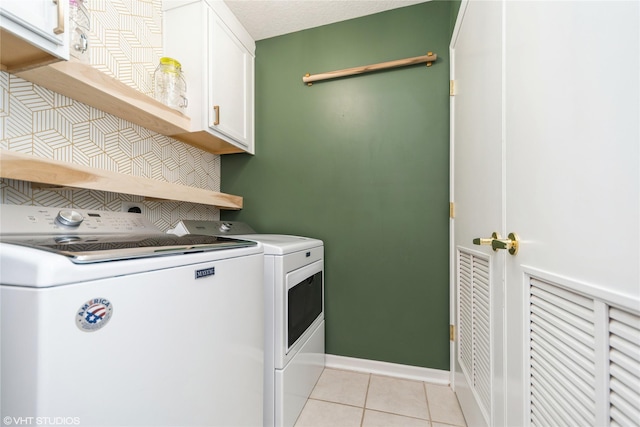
x=294, y=314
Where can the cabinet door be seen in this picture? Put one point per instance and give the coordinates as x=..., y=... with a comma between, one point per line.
x=231, y=85
x=43, y=23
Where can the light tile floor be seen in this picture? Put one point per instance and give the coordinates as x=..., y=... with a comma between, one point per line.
x=354, y=399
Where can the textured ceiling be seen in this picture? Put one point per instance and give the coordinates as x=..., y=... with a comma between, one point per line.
x=269, y=18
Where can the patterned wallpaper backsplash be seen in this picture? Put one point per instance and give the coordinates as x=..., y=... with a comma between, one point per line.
x=126, y=40
x=126, y=43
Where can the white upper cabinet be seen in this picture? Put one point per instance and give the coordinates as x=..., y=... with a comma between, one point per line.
x=43, y=24
x=217, y=56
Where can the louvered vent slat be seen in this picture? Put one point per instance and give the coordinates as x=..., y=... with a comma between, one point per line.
x=626, y=348
x=547, y=400
x=626, y=318
x=572, y=326
x=574, y=367
x=481, y=342
x=625, y=392
x=538, y=420
x=555, y=335
x=552, y=289
x=480, y=310
x=463, y=278
x=485, y=396
x=562, y=356
x=480, y=283
x=548, y=377
x=480, y=292
x=580, y=404
x=541, y=412
x=624, y=367
x=480, y=271
x=562, y=305
x=624, y=341
x=625, y=399
x=622, y=361
x=582, y=392
x=545, y=403
x=620, y=419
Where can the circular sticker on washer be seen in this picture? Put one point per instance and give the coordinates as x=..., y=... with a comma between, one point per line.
x=94, y=314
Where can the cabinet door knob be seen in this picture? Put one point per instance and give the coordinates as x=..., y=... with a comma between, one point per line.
x=59, y=29
x=216, y=108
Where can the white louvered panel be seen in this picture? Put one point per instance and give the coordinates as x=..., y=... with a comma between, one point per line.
x=562, y=356
x=474, y=340
x=624, y=367
x=482, y=341
x=465, y=310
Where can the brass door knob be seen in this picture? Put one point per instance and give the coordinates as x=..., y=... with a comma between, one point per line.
x=487, y=241
x=512, y=243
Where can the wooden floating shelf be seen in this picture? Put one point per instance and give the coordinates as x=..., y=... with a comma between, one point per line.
x=64, y=175
x=91, y=86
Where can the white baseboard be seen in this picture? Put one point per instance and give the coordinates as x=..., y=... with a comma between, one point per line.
x=434, y=376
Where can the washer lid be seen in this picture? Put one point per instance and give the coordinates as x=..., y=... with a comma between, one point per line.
x=282, y=244
x=274, y=244
x=82, y=249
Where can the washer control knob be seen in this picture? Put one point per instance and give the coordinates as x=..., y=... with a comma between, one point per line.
x=69, y=218
x=225, y=226
x=67, y=239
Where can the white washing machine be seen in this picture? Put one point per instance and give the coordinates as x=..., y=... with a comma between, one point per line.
x=294, y=314
x=107, y=321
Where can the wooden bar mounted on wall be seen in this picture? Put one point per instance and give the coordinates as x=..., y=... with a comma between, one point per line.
x=429, y=58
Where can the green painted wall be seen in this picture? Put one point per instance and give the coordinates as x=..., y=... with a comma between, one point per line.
x=363, y=164
x=455, y=7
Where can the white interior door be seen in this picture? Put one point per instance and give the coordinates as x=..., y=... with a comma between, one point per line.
x=572, y=191
x=477, y=189
x=570, y=187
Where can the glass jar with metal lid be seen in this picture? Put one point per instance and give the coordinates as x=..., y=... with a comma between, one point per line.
x=170, y=87
x=79, y=23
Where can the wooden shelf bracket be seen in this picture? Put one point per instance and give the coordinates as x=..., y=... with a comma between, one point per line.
x=429, y=58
